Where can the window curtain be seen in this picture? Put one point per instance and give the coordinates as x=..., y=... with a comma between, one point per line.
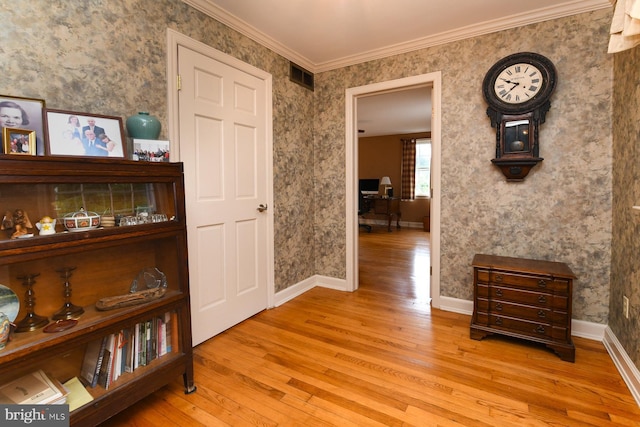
x=408, y=169
x=625, y=26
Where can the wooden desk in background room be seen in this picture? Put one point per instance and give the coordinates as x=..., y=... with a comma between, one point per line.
x=382, y=205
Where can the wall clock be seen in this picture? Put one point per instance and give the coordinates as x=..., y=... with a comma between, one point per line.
x=517, y=89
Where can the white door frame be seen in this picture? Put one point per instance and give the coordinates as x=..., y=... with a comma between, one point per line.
x=351, y=117
x=175, y=39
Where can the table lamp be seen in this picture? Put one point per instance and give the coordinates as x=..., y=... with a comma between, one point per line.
x=386, y=182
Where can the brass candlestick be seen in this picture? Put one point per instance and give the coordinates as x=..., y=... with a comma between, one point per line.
x=31, y=321
x=68, y=309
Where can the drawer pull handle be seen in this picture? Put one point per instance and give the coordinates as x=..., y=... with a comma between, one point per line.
x=542, y=283
x=499, y=307
x=542, y=314
x=542, y=299
x=499, y=292
x=498, y=277
x=540, y=329
x=499, y=321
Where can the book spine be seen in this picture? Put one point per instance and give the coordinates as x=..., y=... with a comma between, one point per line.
x=136, y=346
x=96, y=375
x=149, y=332
x=174, y=332
x=103, y=378
x=162, y=337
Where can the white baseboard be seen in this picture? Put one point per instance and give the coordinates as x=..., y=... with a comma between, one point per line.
x=331, y=283
x=588, y=330
x=293, y=291
x=456, y=305
x=623, y=362
x=579, y=328
x=301, y=287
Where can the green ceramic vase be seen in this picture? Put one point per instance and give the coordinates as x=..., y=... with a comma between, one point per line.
x=143, y=126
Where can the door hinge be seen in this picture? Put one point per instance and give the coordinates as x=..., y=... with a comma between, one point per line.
x=179, y=82
x=430, y=271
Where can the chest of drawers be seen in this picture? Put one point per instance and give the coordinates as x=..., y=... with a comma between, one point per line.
x=523, y=298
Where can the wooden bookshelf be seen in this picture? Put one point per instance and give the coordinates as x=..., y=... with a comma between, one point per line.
x=104, y=260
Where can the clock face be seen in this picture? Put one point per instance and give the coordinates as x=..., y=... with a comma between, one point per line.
x=518, y=83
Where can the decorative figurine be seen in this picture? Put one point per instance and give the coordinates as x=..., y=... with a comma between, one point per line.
x=18, y=221
x=47, y=225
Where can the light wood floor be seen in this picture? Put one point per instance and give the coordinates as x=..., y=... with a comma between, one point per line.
x=382, y=357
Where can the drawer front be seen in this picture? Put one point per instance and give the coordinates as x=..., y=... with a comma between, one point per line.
x=508, y=324
x=524, y=327
x=537, y=314
x=532, y=282
x=538, y=299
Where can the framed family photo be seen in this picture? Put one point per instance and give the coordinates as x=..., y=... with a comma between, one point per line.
x=71, y=133
x=150, y=150
x=19, y=141
x=26, y=114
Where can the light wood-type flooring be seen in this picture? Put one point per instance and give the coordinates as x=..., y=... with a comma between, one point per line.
x=382, y=357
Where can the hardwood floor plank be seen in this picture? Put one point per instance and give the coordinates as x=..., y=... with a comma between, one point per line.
x=381, y=356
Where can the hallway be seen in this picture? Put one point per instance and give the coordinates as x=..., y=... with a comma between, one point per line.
x=396, y=262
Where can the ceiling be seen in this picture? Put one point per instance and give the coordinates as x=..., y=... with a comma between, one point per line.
x=394, y=113
x=322, y=35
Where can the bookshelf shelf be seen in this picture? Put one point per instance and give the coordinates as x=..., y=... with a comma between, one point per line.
x=105, y=261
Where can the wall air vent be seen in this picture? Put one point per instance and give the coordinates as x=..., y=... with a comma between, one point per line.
x=299, y=75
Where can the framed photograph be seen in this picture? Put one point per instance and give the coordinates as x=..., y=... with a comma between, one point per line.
x=19, y=141
x=83, y=134
x=23, y=113
x=150, y=150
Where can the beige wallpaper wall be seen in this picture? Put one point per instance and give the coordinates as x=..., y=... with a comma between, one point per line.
x=561, y=212
x=109, y=57
x=625, y=269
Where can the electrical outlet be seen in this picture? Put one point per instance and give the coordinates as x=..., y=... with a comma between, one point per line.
x=625, y=306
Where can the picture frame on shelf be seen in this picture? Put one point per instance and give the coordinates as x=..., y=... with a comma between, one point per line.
x=151, y=150
x=19, y=141
x=23, y=113
x=71, y=133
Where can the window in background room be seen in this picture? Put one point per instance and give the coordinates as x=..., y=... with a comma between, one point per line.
x=423, y=168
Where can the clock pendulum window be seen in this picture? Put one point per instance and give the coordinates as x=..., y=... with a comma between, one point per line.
x=517, y=89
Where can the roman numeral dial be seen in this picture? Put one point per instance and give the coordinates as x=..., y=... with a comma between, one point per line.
x=518, y=83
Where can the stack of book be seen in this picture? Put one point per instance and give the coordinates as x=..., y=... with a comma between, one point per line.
x=128, y=349
x=36, y=388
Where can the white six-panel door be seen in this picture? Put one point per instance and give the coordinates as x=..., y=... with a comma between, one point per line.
x=222, y=144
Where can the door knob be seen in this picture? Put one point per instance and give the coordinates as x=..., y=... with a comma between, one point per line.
x=262, y=208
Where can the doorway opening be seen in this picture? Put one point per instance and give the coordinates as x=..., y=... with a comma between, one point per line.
x=351, y=167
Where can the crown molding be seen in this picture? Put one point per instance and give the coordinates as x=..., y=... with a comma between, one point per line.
x=540, y=15
x=566, y=9
x=208, y=8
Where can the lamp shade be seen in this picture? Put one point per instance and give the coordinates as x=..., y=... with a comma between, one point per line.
x=385, y=180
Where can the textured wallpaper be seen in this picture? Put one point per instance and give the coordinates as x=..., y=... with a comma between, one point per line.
x=109, y=57
x=625, y=269
x=561, y=212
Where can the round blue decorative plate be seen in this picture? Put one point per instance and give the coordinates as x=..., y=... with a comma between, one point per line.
x=9, y=303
